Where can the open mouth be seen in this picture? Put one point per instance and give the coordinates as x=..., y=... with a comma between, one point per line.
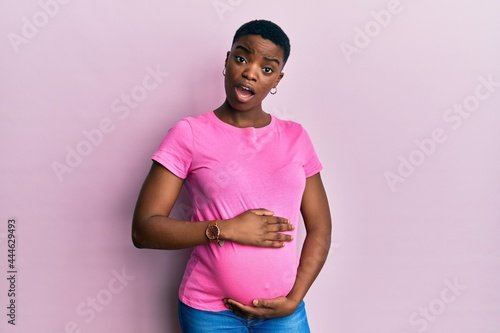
x=244, y=93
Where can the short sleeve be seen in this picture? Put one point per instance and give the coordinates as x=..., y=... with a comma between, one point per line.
x=175, y=150
x=312, y=164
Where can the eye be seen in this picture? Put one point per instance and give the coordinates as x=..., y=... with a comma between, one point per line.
x=267, y=70
x=240, y=59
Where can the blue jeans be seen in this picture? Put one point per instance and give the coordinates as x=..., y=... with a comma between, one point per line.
x=198, y=321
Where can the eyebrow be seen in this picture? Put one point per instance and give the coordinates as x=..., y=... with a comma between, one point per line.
x=248, y=50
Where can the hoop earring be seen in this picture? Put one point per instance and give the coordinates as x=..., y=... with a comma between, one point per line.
x=224, y=71
x=274, y=91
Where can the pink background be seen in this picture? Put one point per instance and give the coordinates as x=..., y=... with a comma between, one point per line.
x=413, y=181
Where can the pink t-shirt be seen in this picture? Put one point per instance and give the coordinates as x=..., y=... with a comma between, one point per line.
x=229, y=170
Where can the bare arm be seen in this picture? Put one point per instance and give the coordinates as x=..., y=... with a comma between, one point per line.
x=153, y=228
x=316, y=213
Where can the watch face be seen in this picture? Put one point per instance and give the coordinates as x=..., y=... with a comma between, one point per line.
x=212, y=232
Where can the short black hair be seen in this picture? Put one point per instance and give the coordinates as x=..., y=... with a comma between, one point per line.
x=267, y=30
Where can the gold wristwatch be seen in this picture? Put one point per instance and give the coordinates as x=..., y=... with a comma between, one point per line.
x=213, y=232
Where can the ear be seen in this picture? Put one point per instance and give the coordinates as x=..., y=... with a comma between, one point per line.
x=227, y=57
x=279, y=78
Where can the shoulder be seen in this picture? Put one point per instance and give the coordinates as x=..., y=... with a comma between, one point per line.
x=188, y=123
x=291, y=127
x=195, y=121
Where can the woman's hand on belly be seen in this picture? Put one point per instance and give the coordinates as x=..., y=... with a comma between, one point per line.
x=263, y=308
x=257, y=227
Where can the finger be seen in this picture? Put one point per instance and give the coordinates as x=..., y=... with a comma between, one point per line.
x=274, y=244
x=240, y=313
x=263, y=303
x=237, y=306
x=233, y=306
x=232, y=302
x=281, y=227
x=282, y=237
x=282, y=220
x=262, y=211
x=241, y=309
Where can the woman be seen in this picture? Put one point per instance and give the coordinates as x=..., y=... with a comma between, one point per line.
x=249, y=175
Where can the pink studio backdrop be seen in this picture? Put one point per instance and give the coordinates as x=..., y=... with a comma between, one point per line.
x=401, y=99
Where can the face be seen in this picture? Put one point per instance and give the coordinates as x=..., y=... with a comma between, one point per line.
x=253, y=68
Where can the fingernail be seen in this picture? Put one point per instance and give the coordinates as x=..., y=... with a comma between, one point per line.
x=255, y=302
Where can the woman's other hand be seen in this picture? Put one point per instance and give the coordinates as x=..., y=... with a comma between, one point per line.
x=257, y=227
x=263, y=308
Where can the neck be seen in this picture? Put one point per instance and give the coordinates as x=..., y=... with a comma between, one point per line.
x=250, y=118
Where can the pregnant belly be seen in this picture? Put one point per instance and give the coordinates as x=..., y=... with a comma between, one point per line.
x=244, y=273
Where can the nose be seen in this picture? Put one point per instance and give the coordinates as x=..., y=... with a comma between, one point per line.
x=250, y=72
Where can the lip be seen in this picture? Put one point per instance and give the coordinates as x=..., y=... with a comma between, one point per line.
x=247, y=87
x=242, y=91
